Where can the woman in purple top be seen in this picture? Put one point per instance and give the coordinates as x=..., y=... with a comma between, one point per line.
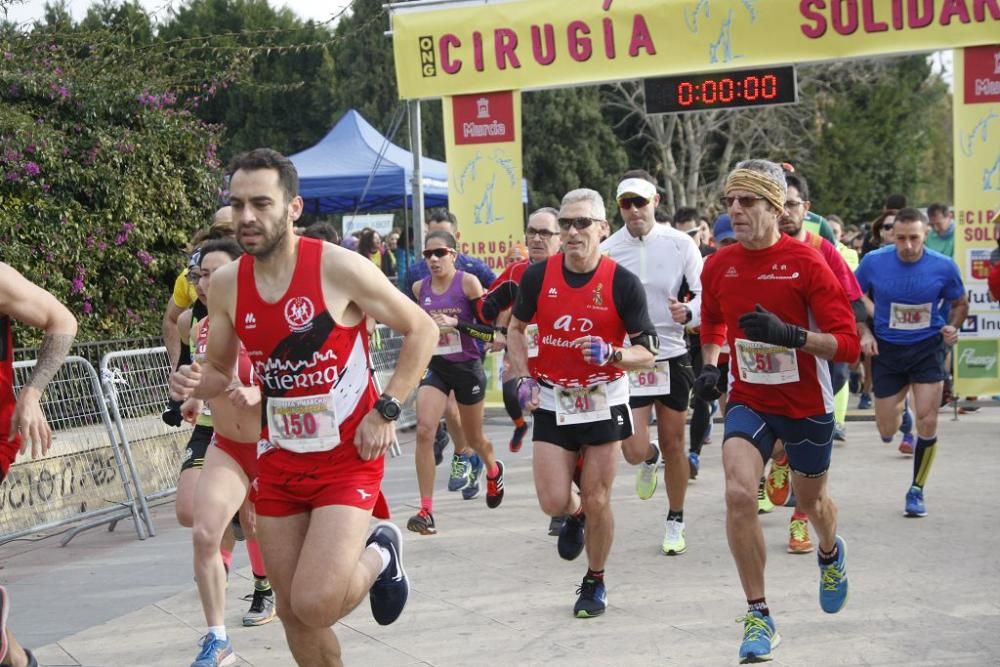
x=448, y=295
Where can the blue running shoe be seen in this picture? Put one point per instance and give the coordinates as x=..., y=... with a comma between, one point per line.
x=907, y=445
x=391, y=589
x=833, y=581
x=214, y=652
x=864, y=402
x=906, y=425
x=571, y=537
x=592, y=600
x=759, y=638
x=461, y=469
x=694, y=463
x=475, y=476
x=915, y=502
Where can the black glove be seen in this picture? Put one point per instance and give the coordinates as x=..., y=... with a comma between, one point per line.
x=706, y=386
x=766, y=327
x=172, y=415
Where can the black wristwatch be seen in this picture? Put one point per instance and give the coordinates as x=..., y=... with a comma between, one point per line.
x=388, y=407
x=616, y=355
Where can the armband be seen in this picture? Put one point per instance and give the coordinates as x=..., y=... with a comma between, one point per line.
x=185, y=356
x=650, y=341
x=860, y=312
x=482, y=332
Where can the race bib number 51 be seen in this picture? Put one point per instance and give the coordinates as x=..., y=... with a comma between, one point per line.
x=582, y=405
x=764, y=363
x=303, y=424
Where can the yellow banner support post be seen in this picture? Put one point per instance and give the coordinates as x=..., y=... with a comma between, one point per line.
x=977, y=200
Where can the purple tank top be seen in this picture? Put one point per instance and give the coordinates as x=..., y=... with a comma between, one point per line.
x=452, y=302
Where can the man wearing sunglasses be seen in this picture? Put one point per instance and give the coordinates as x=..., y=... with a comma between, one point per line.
x=584, y=305
x=664, y=259
x=783, y=314
x=778, y=485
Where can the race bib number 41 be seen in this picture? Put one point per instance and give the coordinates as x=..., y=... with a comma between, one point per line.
x=650, y=381
x=909, y=316
x=764, y=363
x=303, y=424
x=582, y=405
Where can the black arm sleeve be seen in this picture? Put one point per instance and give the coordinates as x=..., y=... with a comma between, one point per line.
x=497, y=301
x=630, y=300
x=860, y=312
x=483, y=332
x=528, y=291
x=185, y=356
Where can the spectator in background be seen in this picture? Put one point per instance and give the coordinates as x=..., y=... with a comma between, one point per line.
x=687, y=220
x=881, y=231
x=517, y=253
x=662, y=215
x=324, y=231
x=941, y=235
x=370, y=245
x=723, y=231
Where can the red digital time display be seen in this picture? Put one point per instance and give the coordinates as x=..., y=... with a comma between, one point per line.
x=721, y=90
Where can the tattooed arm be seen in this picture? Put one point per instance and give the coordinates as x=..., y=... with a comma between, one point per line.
x=25, y=302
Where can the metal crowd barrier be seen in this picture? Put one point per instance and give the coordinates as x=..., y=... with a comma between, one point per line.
x=385, y=347
x=135, y=386
x=84, y=477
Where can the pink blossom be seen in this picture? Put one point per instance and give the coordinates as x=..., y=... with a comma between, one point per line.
x=31, y=169
x=144, y=257
x=88, y=308
x=77, y=285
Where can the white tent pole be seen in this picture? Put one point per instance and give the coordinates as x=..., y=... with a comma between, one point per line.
x=413, y=106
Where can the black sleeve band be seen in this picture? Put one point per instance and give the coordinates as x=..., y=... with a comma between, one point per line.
x=185, y=356
x=650, y=341
x=860, y=312
x=482, y=332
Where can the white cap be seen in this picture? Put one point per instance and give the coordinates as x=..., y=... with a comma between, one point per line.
x=638, y=187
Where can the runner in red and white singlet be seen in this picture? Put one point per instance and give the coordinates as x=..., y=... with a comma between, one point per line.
x=778, y=305
x=22, y=422
x=584, y=305
x=299, y=306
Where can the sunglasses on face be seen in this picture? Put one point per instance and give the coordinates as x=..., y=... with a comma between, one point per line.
x=541, y=233
x=576, y=223
x=626, y=203
x=440, y=253
x=746, y=201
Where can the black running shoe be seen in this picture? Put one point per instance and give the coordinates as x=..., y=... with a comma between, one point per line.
x=571, y=543
x=517, y=439
x=391, y=589
x=494, y=488
x=441, y=440
x=592, y=600
x=422, y=522
x=556, y=524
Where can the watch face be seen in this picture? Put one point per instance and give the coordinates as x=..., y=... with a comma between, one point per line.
x=388, y=409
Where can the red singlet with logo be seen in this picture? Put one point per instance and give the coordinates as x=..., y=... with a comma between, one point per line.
x=8, y=449
x=298, y=350
x=566, y=313
x=244, y=368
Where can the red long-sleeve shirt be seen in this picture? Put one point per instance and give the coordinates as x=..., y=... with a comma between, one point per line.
x=793, y=281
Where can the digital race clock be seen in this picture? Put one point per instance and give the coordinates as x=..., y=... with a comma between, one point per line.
x=722, y=90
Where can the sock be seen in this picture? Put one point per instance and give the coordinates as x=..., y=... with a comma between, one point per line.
x=675, y=516
x=519, y=422
x=262, y=584
x=579, y=513
x=828, y=558
x=383, y=554
x=493, y=471
x=840, y=400
x=218, y=630
x=782, y=460
x=595, y=574
x=759, y=605
x=426, y=503
x=799, y=516
x=227, y=558
x=655, y=457
x=256, y=559
x=923, y=457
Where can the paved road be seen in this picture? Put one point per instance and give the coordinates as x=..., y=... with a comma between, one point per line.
x=489, y=589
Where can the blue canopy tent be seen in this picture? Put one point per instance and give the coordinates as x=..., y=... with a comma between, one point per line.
x=354, y=168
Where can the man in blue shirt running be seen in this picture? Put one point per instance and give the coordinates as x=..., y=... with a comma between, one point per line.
x=908, y=283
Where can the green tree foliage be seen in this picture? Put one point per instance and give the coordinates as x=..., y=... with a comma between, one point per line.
x=874, y=134
x=282, y=93
x=104, y=174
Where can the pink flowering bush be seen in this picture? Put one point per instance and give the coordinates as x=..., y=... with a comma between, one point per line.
x=104, y=175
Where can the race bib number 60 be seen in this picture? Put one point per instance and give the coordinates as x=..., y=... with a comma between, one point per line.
x=303, y=424
x=764, y=363
x=582, y=405
x=650, y=381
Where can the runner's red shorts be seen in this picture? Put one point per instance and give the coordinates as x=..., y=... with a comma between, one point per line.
x=244, y=453
x=290, y=483
x=8, y=452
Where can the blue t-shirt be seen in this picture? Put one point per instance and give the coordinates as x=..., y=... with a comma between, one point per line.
x=908, y=296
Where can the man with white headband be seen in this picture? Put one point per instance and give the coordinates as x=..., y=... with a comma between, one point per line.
x=784, y=315
x=663, y=258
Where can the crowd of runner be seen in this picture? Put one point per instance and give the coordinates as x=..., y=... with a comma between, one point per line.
x=762, y=316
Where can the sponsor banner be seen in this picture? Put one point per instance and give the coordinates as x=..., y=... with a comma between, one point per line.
x=381, y=223
x=525, y=44
x=977, y=198
x=483, y=151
